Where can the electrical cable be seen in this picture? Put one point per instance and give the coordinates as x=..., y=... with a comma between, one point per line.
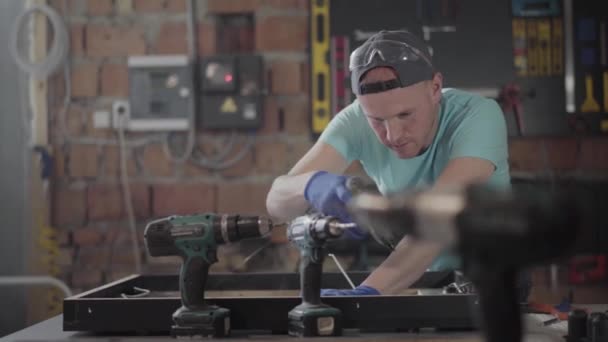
x=58, y=52
x=193, y=56
x=124, y=180
x=230, y=162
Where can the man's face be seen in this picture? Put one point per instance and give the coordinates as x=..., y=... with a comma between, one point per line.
x=404, y=119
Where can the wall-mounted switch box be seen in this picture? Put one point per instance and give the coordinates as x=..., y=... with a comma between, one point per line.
x=232, y=92
x=160, y=93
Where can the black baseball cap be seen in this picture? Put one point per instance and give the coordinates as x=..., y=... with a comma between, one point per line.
x=400, y=50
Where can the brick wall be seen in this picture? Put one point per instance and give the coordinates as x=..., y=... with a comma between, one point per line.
x=88, y=208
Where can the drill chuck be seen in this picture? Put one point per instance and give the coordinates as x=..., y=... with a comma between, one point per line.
x=317, y=228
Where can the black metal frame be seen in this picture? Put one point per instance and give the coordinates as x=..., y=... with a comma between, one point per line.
x=104, y=310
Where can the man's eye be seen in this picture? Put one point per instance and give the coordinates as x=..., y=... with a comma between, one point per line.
x=404, y=115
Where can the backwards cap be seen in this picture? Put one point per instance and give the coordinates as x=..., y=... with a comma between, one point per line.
x=400, y=50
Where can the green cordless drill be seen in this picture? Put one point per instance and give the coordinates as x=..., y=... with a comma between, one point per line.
x=195, y=238
x=312, y=318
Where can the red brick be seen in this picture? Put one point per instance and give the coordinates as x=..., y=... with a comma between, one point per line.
x=242, y=198
x=183, y=199
x=562, y=153
x=58, y=163
x=65, y=257
x=77, y=39
x=155, y=162
x=286, y=78
x=285, y=4
x=172, y=39
x=75, y=120
x=296, y=116
x=105, y=202
x=160, y=5
x=206, y=39
x=68, y=207
x=271, y=116
x=243, y=167
x=306, y=75
x=114, y=41
x=114, y=80
x=271, y=157
x=298, y=150
x=100, y=7
x=231, y=6
x=87, y=278
x=82, y=161
x=85, y=80
x=111, y=163
x=594, y=154
x=525, y=155
x=190, y=171
x=68, y=7
x=87, y=237
x=284, y=33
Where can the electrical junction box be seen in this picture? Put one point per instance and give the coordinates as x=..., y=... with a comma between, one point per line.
x=232, y=92
x=160, y=93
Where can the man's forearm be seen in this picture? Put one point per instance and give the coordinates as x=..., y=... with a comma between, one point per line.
x=285, y=199
x=403, y=267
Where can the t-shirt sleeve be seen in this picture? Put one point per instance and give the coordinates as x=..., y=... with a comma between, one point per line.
x=345, y=132
x=482, y=134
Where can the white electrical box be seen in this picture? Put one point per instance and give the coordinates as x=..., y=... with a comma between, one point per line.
x=160, y=93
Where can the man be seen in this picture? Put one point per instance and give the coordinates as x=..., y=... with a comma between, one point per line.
x=407, y=132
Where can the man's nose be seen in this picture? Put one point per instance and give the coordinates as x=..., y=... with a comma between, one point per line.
x=393, y=130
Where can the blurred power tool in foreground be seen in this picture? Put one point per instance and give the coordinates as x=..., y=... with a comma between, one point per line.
x=496, y=233
x=195, y=239
x=310, y=233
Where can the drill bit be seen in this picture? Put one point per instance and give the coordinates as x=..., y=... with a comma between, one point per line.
x=350, y=282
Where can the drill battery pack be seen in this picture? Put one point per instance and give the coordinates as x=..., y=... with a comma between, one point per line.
x=306, y=320
x=213, y=321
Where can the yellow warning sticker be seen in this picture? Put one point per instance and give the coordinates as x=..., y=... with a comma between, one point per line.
x=229, y=106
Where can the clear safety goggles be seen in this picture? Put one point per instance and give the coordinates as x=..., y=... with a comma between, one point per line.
x=387, y=51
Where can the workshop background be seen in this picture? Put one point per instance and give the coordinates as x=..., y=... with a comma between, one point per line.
x=62, y=190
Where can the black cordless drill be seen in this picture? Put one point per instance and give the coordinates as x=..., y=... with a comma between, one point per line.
x=312, y=318
x=195, y=238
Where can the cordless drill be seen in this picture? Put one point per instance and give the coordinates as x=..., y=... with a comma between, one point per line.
x=195, y=238
x=312, y=318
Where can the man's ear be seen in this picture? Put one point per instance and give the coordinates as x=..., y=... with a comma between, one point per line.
x=436, y=86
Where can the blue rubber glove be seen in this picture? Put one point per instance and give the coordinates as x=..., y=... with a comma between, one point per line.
x=360, y=290
x=328, y=194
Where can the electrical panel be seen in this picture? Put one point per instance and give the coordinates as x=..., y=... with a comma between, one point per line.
x=232, y=92
x=160, y=93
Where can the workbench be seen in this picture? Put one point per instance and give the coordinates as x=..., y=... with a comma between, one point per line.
x=51, y=330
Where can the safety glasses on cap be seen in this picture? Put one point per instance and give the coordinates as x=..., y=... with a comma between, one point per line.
x=387, y=51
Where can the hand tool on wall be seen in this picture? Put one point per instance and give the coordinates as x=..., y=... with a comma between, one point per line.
x=309, y=233
x=484, y=226
x=195, y=239
x=590, y=104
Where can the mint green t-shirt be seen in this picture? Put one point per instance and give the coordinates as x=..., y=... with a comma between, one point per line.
x=469, y=126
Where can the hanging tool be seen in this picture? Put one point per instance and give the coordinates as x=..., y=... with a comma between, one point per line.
x=309, y=234
x=532, y=47
x=520, y=52
x=544, y=47
x=590, y=104
x=557, y=47
x=510, y=102
x=195, y=239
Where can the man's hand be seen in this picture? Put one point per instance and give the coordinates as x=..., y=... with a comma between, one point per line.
x=328, y=194
x=360, y=290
